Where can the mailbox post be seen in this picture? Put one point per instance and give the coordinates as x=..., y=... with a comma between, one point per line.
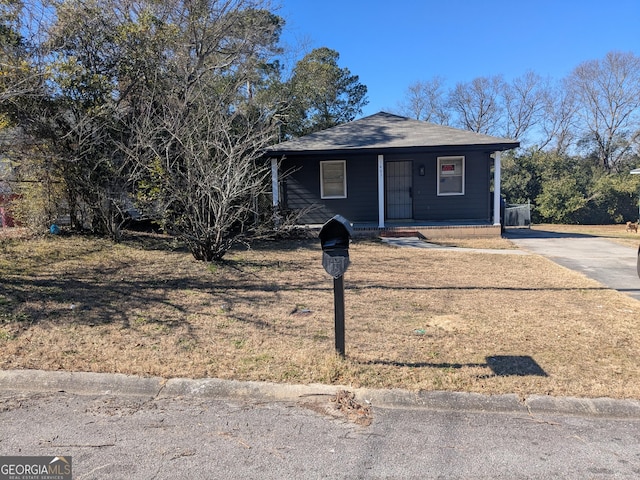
x=334, y=239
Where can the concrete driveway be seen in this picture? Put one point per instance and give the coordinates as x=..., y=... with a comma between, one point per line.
x=609, y=263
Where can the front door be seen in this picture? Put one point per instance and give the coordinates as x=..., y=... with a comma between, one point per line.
x=398, y=183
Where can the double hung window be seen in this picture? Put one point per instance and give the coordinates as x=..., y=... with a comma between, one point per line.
x=333, y=179
x=450, y=175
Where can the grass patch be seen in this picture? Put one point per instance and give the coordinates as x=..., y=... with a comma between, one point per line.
x=4, y=335
x=420, y=319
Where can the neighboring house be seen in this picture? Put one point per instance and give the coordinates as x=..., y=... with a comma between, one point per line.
x=385, y=171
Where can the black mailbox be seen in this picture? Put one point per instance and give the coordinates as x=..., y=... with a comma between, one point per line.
x=336, y=233
x=334, y=239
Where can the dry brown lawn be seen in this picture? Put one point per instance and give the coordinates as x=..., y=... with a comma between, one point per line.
x=420, y=319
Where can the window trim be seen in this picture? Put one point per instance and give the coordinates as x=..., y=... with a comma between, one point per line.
x=442, y=160
x=344, y=181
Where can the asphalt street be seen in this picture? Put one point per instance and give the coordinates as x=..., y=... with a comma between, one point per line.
x=131, y=437
x=125, y=427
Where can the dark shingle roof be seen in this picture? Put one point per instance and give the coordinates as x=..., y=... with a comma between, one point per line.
x=384, y=131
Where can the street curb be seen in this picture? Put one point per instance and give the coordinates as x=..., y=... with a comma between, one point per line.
x=83, y=383
x=87, y=383
x=603, y=407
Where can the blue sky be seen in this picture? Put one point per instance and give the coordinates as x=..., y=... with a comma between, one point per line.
x=391, y=44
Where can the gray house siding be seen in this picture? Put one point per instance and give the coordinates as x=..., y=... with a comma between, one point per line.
x=301, y=188
x=475, y=204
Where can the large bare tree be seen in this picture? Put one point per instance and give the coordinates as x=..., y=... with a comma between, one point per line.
x=556, y=126
x=608, y=92
x=523, y=104
x=197, y=134
x=427, y=100
x=477, y=104
x=154, y=103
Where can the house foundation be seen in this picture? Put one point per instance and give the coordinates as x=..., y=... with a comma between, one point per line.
x=431, y=232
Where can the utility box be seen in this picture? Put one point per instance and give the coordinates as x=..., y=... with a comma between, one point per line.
x=335, y=236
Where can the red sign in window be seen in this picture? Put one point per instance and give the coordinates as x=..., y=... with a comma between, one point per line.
x=448, y=168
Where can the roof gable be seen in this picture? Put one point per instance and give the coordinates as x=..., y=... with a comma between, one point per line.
x=383, y=131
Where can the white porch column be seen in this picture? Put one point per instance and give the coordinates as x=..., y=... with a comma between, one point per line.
x=275, y=190
x=380, y=191
x=496, y=188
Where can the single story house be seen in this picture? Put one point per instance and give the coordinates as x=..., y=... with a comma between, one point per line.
x=386, y=171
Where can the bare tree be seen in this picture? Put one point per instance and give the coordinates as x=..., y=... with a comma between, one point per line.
x=427, y=100
x=524, y=102
x=201, y=169
x=556, y=126
x=477, y=104
x=154, y=102
x=608, y=92
x=197, y=136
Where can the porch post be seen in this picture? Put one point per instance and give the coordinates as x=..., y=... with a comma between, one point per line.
x=275, y=191
x=380, y=191
x=496, y=189
x=274, y=182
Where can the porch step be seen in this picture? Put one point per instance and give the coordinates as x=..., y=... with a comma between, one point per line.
x=399, y=233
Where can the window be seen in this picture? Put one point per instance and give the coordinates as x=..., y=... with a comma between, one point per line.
x=451, y=176
x=333, y=179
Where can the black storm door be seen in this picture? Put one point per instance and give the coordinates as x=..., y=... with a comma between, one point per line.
x=398, y=183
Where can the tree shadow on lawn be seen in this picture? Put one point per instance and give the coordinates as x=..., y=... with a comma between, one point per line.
x=500, y=365
x=153, y=241
x=99, y=301
x=311, y=242
x=102, y=301
x=90, y=303
x=473, y=287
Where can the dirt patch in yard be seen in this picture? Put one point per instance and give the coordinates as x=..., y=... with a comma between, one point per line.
x=421, y=319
